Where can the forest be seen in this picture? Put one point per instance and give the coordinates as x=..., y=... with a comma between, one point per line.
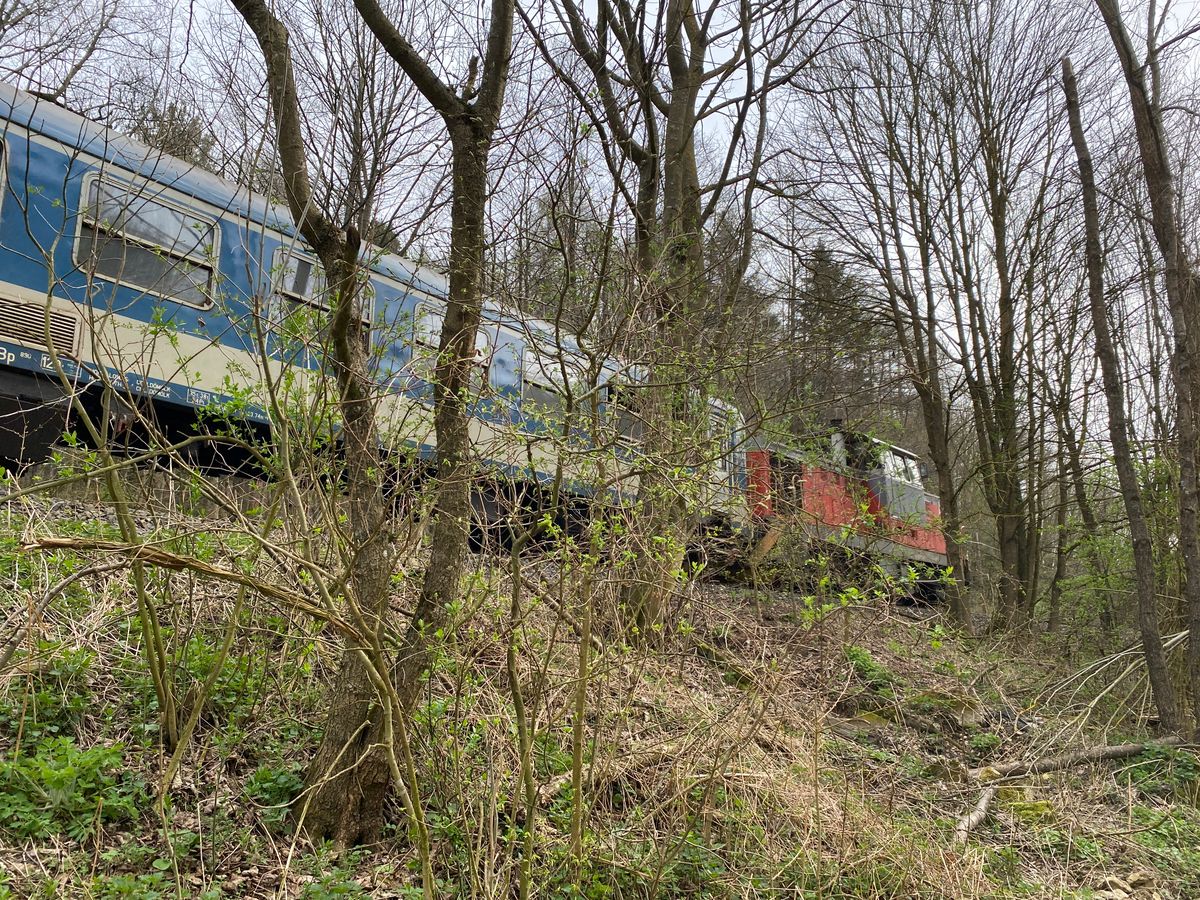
x=444, y=574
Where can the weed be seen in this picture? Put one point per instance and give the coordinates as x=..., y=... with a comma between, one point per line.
x=1174, y=836
x=56, y=696
x=236, y=683
x=1165, y=772
x=147, y=886
x=332, y=879
x=549, y=758
x=868, y=669
x=332, y=885
x=59, y=788
x=1003, y=864
x=983, y=744
x=273, y=790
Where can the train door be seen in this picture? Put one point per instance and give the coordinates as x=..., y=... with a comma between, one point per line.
x=504, y=377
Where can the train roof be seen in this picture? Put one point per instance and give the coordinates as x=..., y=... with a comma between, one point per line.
x=71, y=129
x=58, y=123
x=794, y=452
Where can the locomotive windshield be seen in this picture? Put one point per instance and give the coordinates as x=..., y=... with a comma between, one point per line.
x=901, y=466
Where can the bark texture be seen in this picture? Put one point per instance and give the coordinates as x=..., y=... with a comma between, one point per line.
x=349, y=777
x=351, y=774
x=471, y=118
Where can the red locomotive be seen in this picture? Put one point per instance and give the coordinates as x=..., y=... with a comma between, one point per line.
x=856, y=493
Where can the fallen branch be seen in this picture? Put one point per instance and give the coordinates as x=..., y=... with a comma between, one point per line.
x=977, y=816
x=1069, y=760
x=993, y=774
x=165, y=560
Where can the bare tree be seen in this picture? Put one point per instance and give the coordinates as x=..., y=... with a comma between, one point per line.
x=471, y=113
x=355, y=764
x=46, y=46
x=1118, y=424
x=938, y=150
x=1181, y=287
x=347, y=805
x=657, y=75
x=878, y=197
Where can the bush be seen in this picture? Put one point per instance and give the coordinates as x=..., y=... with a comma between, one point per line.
x=60, y=788
x=273, y=790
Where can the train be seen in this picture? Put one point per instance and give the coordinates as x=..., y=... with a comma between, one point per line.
x=858, y=495
x=126, y=273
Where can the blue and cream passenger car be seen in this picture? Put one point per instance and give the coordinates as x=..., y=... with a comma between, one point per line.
x=121, y=265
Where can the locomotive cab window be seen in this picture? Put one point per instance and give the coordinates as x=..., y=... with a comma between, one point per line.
x=901, y=467
x=146, y=243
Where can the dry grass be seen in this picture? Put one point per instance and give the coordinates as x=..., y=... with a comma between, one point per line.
x=749, y=753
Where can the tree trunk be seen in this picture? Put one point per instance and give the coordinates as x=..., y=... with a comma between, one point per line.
x=678, y=416
x=936, y=416
x=1054, y=614
x=1181, y=288
x=351, y=773
x=451, y=523
x=1119, y=426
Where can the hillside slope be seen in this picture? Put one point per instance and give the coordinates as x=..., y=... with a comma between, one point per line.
x=759, y=748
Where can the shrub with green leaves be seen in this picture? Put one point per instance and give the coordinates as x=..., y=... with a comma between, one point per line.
x=273, y=789
x=57, y=788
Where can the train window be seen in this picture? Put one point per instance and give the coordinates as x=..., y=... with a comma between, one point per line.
x=720, y=430
x=301, y=315
x=426, y=339
x=299, y=276
x=504, y=370
x=427, y=327
x=901, y=467
x=483, y=349
x=148, y=244
x=787, y=484
x=543, y=386
x=622, y=407
x=483, y=359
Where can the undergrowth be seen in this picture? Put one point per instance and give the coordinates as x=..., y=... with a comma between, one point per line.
x=786, y=754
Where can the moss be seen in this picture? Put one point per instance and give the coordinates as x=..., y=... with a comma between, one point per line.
x=1032, y=812
x=869, y=670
